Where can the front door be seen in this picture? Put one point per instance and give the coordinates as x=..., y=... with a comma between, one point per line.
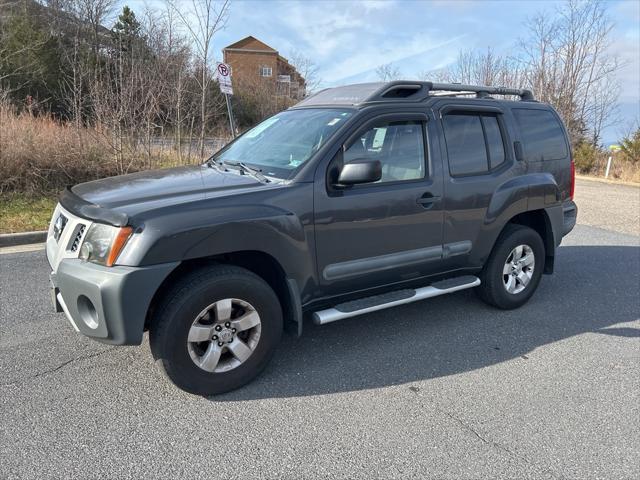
x=384, y=232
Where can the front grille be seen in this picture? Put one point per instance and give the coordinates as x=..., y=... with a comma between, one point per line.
x=77, y=238
x=70, y=237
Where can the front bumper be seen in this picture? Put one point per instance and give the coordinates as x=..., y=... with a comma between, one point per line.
x=108, y=304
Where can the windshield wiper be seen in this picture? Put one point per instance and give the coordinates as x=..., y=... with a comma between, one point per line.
x=246, y=169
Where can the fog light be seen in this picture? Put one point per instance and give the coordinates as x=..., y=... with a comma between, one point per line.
x=87, y=312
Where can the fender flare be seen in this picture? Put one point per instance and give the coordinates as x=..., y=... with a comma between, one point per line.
x=519, y=195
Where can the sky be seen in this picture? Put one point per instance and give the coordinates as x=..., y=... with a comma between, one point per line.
x=349, y=39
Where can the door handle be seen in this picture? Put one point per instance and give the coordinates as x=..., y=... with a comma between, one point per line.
x=427, y=200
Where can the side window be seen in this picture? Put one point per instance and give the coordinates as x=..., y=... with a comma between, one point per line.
x=465, y=144
x=399, y=146
x=474, y=143
x=542, y=134
x=495, y=144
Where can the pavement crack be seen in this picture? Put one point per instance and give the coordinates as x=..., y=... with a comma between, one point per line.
x=59, y=367
x=465, y=426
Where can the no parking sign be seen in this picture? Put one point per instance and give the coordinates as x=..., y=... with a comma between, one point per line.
x=223, y=74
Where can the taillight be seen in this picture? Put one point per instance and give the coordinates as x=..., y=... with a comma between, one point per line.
x=572, y=188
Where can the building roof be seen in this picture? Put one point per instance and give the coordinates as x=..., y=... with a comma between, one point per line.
x=250, y=43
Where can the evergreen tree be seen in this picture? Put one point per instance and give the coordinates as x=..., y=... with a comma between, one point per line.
x=30, y=62
x=127, y=31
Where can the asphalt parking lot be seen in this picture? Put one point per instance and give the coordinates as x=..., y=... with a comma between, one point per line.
x=445, y=388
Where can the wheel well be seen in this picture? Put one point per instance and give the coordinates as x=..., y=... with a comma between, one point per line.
x=539, y=221
x=260, y=263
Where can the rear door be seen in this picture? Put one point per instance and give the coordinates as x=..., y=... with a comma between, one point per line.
x=388, y=231
x=479, y=158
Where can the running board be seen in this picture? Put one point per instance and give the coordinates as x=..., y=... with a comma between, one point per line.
x=392, y=299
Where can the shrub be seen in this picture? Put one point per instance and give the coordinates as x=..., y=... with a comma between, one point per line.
x=630, y=148
x=585, y=156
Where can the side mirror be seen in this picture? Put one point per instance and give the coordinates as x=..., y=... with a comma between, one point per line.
x=360, y=171
x=517, y=148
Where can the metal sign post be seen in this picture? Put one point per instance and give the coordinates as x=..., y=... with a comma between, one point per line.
x=223, y=73
x=613, y=149
x=231, y=122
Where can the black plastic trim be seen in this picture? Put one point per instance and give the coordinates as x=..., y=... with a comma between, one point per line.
x=342, y=270
x=296, y=304
x=80, y=207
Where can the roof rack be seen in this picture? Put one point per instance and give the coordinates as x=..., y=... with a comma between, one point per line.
x=405, y=91
x=418, y=91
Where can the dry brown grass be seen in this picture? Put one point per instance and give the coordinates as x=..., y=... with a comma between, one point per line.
x=622, y=170
x=40, y=155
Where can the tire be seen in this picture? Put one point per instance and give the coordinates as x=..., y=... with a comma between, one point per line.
x=495, y=285
x=183, y=322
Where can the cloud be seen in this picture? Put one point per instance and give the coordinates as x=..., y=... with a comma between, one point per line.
x=410, y=58
x=349, y=39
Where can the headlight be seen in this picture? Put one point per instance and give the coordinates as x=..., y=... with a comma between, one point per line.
x=102, y=244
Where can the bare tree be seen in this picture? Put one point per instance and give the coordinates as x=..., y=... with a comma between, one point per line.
x=567, y=64
x=173, y=51
x=564, y=59
x=387, y=72
x=203, y=20
x=484, y=68
x=95, y=13
x=307, y=68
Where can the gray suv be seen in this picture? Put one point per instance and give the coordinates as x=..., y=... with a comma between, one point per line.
x=357, y=199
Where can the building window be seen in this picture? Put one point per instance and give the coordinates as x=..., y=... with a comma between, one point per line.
x=266, y=71
x=284, y=78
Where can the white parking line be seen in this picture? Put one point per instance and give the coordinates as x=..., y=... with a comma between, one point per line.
x=33, y=247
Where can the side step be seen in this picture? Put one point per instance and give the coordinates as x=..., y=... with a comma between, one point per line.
x=392, y=299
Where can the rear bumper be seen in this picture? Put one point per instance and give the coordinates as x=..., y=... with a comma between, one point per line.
x=570, y=215
x=108, y=304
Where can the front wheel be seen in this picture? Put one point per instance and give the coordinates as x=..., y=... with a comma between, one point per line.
x=514, y=268
x=216, y=330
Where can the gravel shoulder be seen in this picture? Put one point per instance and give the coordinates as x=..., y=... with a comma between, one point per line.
x=608, y=205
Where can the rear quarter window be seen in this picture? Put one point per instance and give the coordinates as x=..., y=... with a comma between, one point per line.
x=542, y=135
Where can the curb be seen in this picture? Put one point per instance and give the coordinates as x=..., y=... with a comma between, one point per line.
x=13, y=239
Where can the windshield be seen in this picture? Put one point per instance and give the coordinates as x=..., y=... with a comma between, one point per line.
x=285, y=141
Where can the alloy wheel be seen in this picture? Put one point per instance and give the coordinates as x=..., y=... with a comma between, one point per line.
x=224, y=335
x=518, y=269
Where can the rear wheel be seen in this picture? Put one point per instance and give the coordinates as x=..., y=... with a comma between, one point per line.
x=216, y=330
x=514, y=268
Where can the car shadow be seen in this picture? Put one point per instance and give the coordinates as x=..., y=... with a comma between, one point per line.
x=455, y=333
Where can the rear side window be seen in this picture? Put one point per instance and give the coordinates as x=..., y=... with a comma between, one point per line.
x=542, y=134
x=474, y=143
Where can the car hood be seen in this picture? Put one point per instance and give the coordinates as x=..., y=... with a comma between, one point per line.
x=152, y=189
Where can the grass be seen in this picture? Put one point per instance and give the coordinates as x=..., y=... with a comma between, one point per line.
x=24, y=213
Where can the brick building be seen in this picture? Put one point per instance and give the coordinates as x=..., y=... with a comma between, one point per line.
x=256, y=63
